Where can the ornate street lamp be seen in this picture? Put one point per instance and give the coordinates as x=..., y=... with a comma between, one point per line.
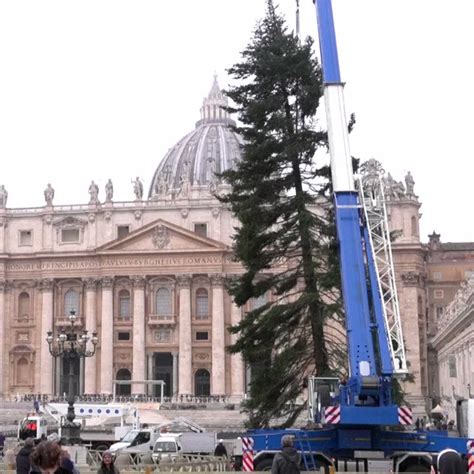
x=71, y=345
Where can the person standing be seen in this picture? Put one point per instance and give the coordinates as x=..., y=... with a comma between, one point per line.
x=287, y=461
x=449, y=461
x=47, y=458
x=220, y=449
x=23, y=464
x=2, y=443
x=107, y=465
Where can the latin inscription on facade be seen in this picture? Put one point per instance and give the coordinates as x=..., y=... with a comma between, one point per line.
x=174, y=261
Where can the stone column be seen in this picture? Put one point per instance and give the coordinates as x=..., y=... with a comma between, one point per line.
x=174, y=391
x=138, y=356
x=90, y=375
x=46, y=325
x=107, y=337
x=3, y=353
x=218, y=336
x=185, y=340
x=237, y=367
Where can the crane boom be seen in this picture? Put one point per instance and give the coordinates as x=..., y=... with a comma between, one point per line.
x=369, y=333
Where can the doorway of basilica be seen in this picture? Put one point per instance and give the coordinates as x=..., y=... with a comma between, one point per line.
x=163, y=370
x=64, y=371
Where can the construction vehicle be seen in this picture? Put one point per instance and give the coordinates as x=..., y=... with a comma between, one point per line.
x=36, y=426
x=360, y=428
x=169, y=446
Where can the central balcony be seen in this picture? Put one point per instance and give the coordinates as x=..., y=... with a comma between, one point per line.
x=155, y=320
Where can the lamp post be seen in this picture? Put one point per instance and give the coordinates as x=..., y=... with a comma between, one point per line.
x=71, y=345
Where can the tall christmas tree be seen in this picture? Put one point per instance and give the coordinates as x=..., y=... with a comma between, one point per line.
x=286, y=238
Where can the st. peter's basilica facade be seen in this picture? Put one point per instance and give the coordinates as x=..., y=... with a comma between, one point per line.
x=149, y=277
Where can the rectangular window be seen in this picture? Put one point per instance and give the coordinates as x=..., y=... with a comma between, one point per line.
x=439, y=312
x=202, y=336
x=26, y=237
x=123, y=336
x=201, y=229
x=437, y=276
x=69, y=235
x=439, y=294
x=452, y=366
x=122, y=231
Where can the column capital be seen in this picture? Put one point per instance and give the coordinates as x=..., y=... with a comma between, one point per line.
x=107, y=281
x=217, y=279
x=139, y=281
x=4, y=286
x=90, y=283
x=46, y=284
x=183, y=281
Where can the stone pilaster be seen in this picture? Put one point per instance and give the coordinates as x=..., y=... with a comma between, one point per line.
x=218, y=336
x=46, y=325
x=150, y=389
x=90, y=379
x=236, y=362
x=185, y=340
x=3, y=348
x=107, y=337
x=175, y=374
x=138, y=356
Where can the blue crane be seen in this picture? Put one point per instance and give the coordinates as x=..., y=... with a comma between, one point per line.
x=356, y=417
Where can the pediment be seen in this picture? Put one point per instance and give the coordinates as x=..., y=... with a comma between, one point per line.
x=70, y=221
x=161, y=236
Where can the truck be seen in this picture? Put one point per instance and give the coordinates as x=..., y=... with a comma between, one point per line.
x=137, y=440
x=36, y=426
x=357, y=424
x=169, y=446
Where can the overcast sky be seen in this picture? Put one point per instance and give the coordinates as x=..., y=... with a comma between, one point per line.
x=98, y=89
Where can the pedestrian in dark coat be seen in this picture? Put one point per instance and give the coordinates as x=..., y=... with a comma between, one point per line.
x=220, y=449
x=287, y=461
x=23, y=464
x=450, y=461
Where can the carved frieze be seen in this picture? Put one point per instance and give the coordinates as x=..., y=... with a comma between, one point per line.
x=411, y=279
x=202, y=356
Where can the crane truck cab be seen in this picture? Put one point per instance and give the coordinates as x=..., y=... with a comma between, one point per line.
x=33, y=426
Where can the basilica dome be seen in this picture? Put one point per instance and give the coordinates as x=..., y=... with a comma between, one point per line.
x=191, y=165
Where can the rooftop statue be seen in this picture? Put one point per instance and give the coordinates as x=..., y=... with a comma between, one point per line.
x=410, y=184
x=3, y=196
x=109, y=191
x=138, y=189
x=94, y=193
x=49, y=195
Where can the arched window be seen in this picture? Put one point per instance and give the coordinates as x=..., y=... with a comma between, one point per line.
x=163, y=302
x=123, y=389
x=202, y=304
x=23, y=372
x=202, y=383
x=24, y=305
x=71, y=302
x=124, y=304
